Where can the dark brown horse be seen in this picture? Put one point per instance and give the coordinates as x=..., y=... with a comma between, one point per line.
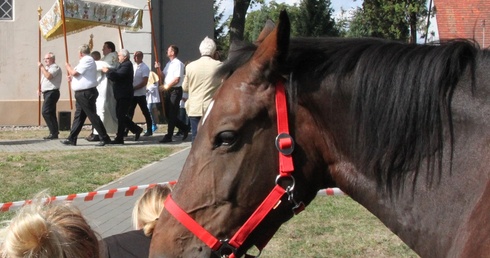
x=403, y=129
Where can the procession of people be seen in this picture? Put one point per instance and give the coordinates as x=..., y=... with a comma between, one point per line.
x=108, y=88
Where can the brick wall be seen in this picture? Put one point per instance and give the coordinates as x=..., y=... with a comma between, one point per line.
x=464, y=19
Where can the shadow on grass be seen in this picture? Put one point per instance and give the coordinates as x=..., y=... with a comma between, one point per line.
x=20, y=142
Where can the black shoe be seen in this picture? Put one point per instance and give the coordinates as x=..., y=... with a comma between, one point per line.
x=165, y=139
x=93, y=138
x=185, y=134
x=147, y=134
x=69, y=142
x=117, y=142
x=89, y=137
x=137, y=134
x=51, y=137
x=106, y=140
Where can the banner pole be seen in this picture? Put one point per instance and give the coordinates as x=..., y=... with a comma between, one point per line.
x=62, y=8
x=120, y=37
x=39, y=11
x=155, y=50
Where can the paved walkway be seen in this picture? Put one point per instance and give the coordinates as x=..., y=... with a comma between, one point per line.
x=112, y=216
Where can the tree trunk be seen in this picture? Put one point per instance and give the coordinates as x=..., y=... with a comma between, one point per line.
x=237, y=24
x=413, y=28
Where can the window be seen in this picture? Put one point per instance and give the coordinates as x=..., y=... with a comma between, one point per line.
x=6, y=10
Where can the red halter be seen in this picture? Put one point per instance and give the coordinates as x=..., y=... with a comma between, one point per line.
x=285, y=146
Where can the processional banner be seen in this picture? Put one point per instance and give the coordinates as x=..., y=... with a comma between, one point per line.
x=82, y=15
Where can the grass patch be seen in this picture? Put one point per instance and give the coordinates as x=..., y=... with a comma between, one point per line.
x=67, y=172
x=335, y=227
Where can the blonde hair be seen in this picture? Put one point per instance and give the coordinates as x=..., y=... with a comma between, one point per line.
x=48, y=230
x=148, y=207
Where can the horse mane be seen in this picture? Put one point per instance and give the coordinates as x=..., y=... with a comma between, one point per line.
x=402, y=102
x=401, y=97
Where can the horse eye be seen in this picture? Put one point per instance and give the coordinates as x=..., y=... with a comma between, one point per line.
x=226, y=139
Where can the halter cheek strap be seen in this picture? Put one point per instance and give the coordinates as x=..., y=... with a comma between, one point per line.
x=284, y=141
x=285, y=145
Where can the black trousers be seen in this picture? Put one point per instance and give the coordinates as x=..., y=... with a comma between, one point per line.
x=141, y=102
x=123, y=119
x=172, y=101
x=85, y=107
x=51, y=97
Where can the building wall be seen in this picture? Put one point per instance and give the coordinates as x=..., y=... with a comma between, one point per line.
x=464, y=19
x=175, y=21
x=185, y=24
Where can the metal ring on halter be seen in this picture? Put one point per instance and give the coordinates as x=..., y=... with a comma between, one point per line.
x=290, y=187
x=225, y=249
x=285, y=151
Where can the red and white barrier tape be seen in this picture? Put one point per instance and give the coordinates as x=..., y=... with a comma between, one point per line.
x=107, y=194
x=127, y=191
x=330, y=192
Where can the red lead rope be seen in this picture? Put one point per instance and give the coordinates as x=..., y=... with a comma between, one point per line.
x=285, y=145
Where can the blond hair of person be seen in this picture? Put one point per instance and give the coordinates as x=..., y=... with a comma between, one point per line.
x=48, y=230
x=148, y=207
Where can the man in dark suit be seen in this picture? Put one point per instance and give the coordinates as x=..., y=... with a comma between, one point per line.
x=123, y=92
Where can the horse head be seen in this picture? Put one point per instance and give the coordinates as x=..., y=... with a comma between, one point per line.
x=233, y=164
x=401, y=128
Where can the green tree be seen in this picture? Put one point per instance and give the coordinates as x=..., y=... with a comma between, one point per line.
x=417, y=15
x=219, y=26
x=220, y=35
x=316, y=19
x=354, y=26
x=394, y=19
x=256, y=19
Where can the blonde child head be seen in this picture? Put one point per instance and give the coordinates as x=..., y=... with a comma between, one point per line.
x=148, y=208
x=52, y=230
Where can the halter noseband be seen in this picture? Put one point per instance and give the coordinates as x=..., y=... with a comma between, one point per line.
x=285, y=145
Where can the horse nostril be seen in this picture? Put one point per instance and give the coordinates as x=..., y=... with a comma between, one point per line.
x=199, y=249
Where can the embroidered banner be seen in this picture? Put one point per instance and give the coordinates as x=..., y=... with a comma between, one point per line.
x=82, y=15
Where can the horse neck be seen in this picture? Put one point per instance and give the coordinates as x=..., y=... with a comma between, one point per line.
x=435, y=217
x=432, y=215
x=433, y=220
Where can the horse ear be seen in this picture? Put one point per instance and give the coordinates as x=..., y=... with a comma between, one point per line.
x=273, y=49
x=268, y=27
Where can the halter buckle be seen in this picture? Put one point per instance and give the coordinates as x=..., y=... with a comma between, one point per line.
x=285, y=143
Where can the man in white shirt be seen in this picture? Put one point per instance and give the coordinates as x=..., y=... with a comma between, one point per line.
x=140, y=79
x=84, y=83
x=50, y=88
x=174, y=75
